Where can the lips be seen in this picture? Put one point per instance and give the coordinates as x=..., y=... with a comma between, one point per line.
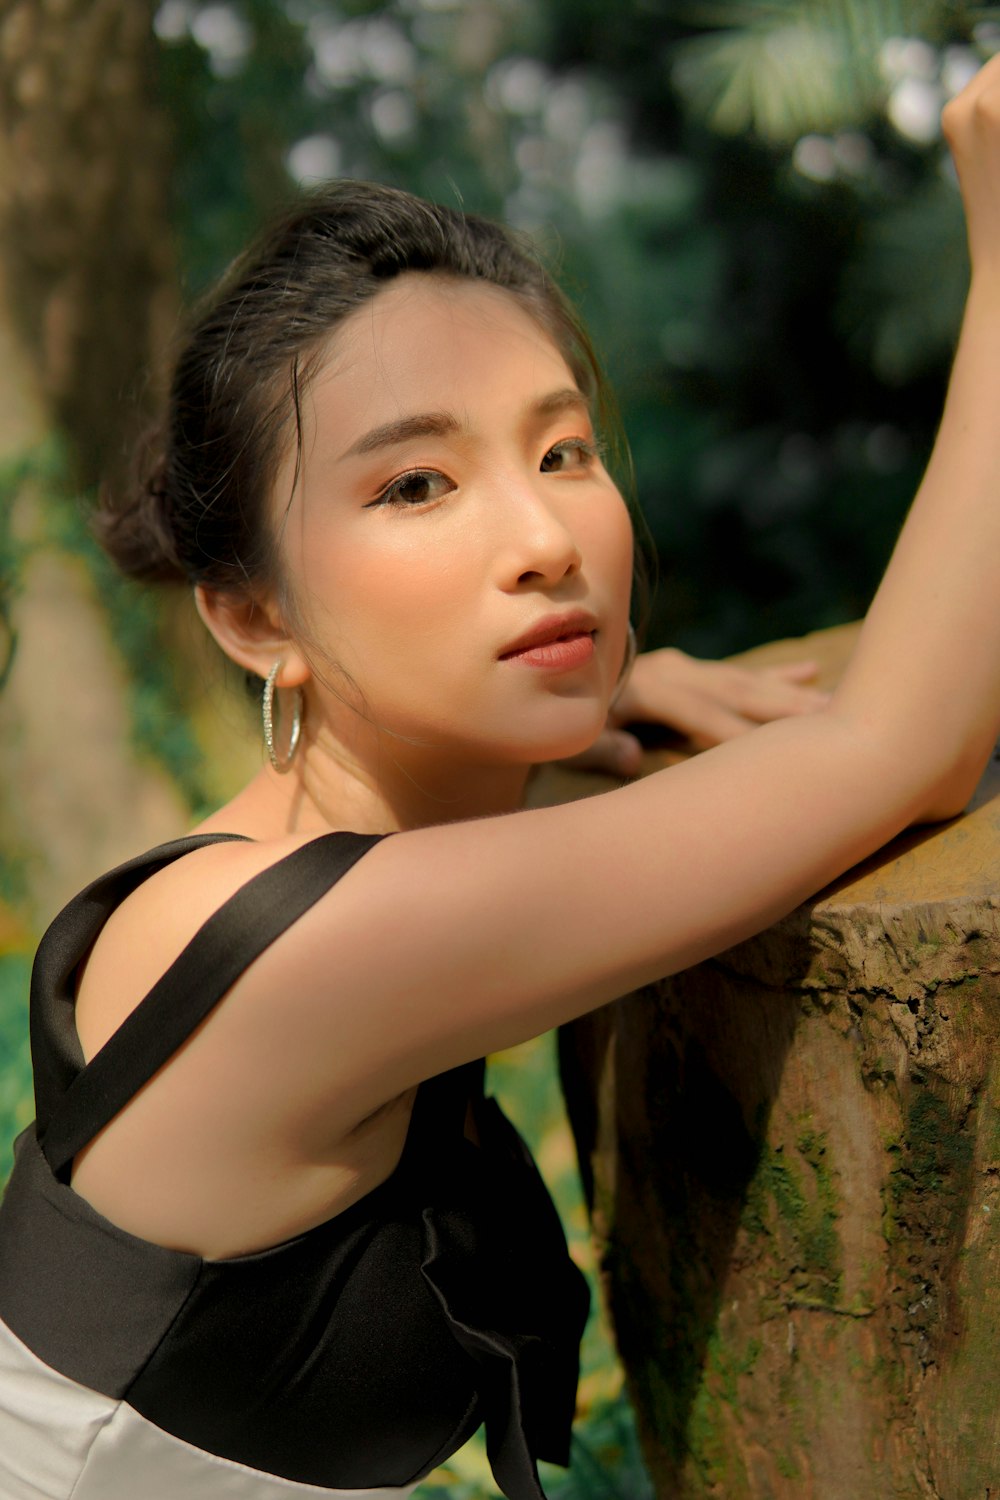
x=549, y=630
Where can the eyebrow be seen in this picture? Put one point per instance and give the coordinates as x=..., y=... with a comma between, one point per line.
x=443, y=424
x=568, y=400
x=390, y=434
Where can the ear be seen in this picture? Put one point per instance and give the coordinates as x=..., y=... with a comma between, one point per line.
x=252, y=633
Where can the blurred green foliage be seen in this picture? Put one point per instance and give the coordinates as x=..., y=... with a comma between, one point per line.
x=15, y=1059
x=160, y=729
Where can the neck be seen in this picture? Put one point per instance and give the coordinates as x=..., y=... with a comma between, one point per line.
x=391, y=788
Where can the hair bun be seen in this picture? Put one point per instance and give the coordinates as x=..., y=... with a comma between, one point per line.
x=134, y=525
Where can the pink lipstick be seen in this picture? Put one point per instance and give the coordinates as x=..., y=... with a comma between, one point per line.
x=559, y=642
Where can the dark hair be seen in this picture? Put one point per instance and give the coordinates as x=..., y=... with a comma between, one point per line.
x=197, y=506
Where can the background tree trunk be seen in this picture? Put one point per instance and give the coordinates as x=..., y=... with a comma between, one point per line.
x=793, y=1159
x=84, y=236
x=86, y=297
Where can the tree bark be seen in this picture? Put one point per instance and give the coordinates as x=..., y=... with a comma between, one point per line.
x=84, y=236
x=792, y=1154
x=87, y=297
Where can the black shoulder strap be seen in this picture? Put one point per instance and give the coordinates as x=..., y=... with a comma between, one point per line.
x=56, y=1054
x=180, y=1000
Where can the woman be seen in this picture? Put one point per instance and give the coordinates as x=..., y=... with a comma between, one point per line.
x=267, y=1238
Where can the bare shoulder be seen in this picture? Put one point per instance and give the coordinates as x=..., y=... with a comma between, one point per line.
x=221, y=1151
x=146, y=933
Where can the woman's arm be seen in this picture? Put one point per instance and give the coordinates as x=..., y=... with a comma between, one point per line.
x=452, y=941
x=941, y=590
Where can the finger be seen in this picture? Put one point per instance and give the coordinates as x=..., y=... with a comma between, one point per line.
x=795, y=671
x=767, y=695
x=614, y=752
x=763, y=707
x=707, y=722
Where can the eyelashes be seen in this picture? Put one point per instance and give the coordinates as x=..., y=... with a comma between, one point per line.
x=582, y=451
x=418, y=487
x=423, y=486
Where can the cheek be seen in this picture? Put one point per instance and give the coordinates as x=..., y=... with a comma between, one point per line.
x=612, y=547
x=372, y=600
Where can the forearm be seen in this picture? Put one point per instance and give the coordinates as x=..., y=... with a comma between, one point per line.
x=926, y=670
x=926, y=673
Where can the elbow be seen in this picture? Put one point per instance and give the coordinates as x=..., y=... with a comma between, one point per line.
x=952, y=794
x=942, y=810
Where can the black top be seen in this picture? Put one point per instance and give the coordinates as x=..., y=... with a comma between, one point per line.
x=359, y=1354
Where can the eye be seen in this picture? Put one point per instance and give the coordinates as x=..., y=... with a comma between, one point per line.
x=569, y=455
x=418, y=487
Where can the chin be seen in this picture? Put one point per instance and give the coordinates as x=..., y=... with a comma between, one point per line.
x=562, y=747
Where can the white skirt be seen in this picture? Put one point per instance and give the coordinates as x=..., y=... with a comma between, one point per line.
x=60, y=1441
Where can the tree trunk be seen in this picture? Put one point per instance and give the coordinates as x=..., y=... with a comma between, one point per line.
x=86, y=296
x=84, y=236
x=793, y=1159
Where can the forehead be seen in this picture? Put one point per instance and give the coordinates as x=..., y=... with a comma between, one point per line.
x=431, y=336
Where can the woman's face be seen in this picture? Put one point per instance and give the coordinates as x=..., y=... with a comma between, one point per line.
x=451, y=507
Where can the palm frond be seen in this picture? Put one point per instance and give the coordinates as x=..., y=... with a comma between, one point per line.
x=777, y=69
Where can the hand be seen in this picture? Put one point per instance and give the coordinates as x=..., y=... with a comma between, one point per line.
x=971, y=123
x=706, y=701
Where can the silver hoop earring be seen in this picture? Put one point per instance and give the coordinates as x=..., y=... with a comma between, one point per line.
x=267, y=715
x=631, y=652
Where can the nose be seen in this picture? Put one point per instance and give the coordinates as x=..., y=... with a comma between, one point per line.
x=539, y=544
